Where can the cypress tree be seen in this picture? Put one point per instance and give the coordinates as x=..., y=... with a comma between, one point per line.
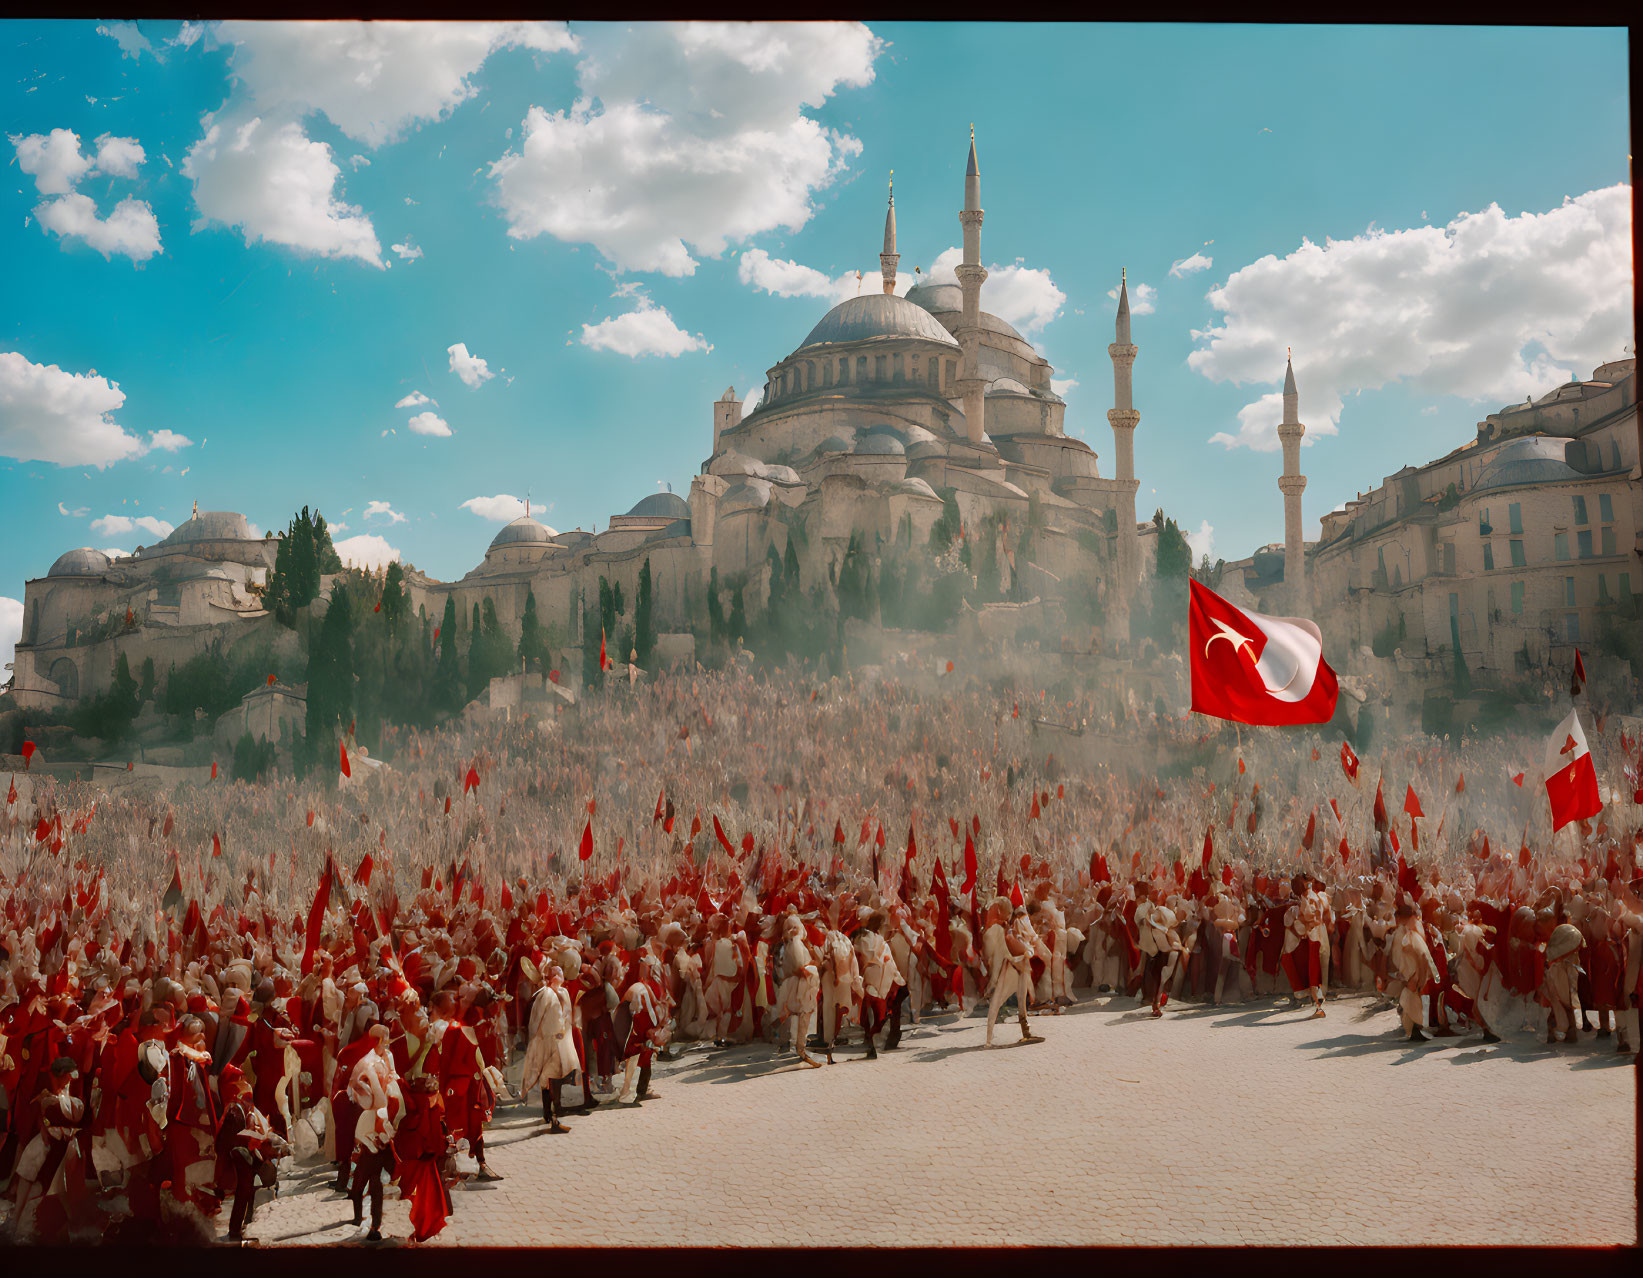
x=448, y=673
x=644, y=619
x=531, y=648
x=395, y=603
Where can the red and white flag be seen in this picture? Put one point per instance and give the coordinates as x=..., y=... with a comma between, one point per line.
x=1269, y=671
x=1571, y=778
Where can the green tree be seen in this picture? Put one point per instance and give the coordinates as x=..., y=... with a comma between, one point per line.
x=145, y=693
x=790, y=566
x=532, y=646
x=945, y=529
x=325, y=554
x=737, y=626
x=447, y=679
x=644, y=617
x=592, y=675
x=773, y=562
x=330, y=683
x=395, y=602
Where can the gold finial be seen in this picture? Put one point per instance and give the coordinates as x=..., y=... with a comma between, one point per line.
x=972, y=133
x=1123, y=275
x=196, y=513
x=1290, y=350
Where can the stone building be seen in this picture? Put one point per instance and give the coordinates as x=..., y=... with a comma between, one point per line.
x=1523, y=543
x=885, y=403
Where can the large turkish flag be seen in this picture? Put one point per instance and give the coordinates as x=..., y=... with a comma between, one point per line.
x=1571, y=780
x=1268, y=670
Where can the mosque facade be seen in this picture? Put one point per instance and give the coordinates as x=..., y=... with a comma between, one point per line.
x=886, y=404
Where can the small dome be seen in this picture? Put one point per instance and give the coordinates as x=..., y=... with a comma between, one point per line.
x=1007, y=386
x=84, y=562
x=880, y=446
x=659, y=505
x=859, y=319
x=210, y=525
x=1539, y=459
x=832, y=444
x=523, y=531
x=916, y=488
x=883, y=428
x=937, y=298
x=922, y=448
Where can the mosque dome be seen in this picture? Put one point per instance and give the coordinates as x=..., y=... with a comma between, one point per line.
x=916, y=488
x=210, y=525
x=661, y=505
x=860, y=319
x=84, y=562
x=1007, y=386
x=937, y=298
x=1540, y=459
x=880, y=445
x=523, y=531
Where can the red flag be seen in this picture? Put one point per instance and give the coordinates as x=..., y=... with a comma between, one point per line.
x=553, y=676
x=949, y=667
x=11, y=792
x=507, y=897
x=378, y=608
x=838, y=832
x=1407, y=880
x=912, y=846
x=363, y=874
x=28, y=754
x=1344, y=852
x=1311, y=829
x=1015, y=711
x=604, y=661
x=878, y=836
x=747, y=843
x=310, y=818
x=436, y=634
x=42, y=832
x=1517, y=779
x=719, y=834
x=213, y=769
x=427, y=876
x=1240, y=767
x=316, y=916
x=1349, y=763
x=270, y=681
x=1460, y=785
x=1033, y=814
x=1381, y=821
x=695, y=825
x=1209, y=847
x=1270, y=670
x=593, y=805
x=586, y=849
x=1315, y=755
x=216, y=846
x=661, y=795
x=1571, y=779
x=346, y=770
x=1577, y=680
x=1412, y=803
x=969, y=865
x=1015, y=894
x=471, y=781
x=447, y=805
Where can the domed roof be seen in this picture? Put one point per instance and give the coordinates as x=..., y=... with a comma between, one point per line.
x=937, y=298
x=84, y=562
x=882, y=445
x=523, y=531
x=858, y=319
x=210, y=525
x=1538, y=459
x=1007, y=386
x=916, y=488
x=660, y=505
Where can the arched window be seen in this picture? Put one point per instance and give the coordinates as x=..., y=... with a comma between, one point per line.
x=861, y=369
x=66, y=675
x=827, y=374
x=895, y=367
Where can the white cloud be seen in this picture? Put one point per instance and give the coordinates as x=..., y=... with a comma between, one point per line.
x=367, y=550
x=53, y=159
x=1062, y=385
x=752, y=400
x=131, y=230
x=384, y=509
x=426, y=423
x=500, y=509
x=79, y=512
x=133, y=43
x=119, y=157
x=1489, y=308
x=11, y=630
x=686, y=136
x=337, y=527
x=120, y=525
x=269, y=179
x=470, y=368
x=415, y=399
x=168, y=441
x=407, y=251
x=1023, y=296
x=1202, y=541
x=50, y=415
x=114, y=552
x=188, y=35
x=1190, y=265
x=647, y=330
x=1143, y=298
x=374, y=80
x=791, y=279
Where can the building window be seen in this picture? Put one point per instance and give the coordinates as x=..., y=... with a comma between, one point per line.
x=1569, y=592
x=1454, y=606
x=1580, y=509
x=1488, y=557
x=895, y=367
x=1602, y=589
x=1571, y=627
x=1484, y=526
x=1605, y=508
x=1514, y=514
x=1518, y=561
x=952, y=371
x=1449, y=556
x=1625, y=586
x=1517, y=598
x=878, y=368
x=861, y=369
x=1608, y=541
x=1583, y=543
x=1560, y=545
x=827, y=374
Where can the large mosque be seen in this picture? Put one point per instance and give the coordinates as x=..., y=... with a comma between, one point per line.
x=886, y=404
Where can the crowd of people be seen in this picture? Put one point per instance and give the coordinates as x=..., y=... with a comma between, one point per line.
x=201, y=987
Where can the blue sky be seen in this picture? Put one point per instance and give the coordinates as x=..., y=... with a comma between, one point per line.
x=683, y=213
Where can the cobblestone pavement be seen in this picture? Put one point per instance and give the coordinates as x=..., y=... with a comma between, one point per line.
x=1251, y=1124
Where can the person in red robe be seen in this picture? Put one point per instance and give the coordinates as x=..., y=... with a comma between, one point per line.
x=469, y=1099
x=192, y=1122
x=422, y=1145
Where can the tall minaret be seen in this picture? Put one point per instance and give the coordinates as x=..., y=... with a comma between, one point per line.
x=1124, y=419
x=889, y=258
x=971, y=274
x=1291, y=483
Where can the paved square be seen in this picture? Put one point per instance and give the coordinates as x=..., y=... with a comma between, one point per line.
x=1250, y=1124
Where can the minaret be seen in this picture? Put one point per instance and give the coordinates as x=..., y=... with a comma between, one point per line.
x=971, y=274
x=889, y=258
x=1124, y=419
x=1291, y=483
